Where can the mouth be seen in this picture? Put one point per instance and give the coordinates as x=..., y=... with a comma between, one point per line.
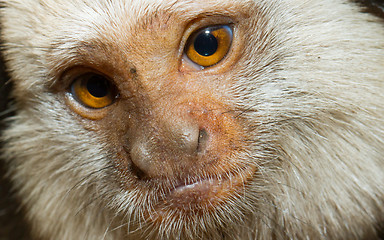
x=205, y=194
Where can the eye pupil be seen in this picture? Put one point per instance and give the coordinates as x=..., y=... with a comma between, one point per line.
x=205, y=44
x=98, y=86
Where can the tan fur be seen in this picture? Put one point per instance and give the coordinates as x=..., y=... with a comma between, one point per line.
x=303, y=85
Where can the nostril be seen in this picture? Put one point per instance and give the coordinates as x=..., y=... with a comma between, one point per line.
x=143, y=158
x=138, y=172
x=202, y=140
x=190, y=139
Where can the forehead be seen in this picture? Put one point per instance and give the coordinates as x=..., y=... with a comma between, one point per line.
x=74, y=23
x=79, y=20
x=83, y=15
x=131, y=10
x=63, y=33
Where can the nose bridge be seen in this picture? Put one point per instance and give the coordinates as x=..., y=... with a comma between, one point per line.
x=180, y=138
x=175, y=127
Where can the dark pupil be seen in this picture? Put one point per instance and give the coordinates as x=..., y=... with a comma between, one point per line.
x=205, y=44
x=97, y=86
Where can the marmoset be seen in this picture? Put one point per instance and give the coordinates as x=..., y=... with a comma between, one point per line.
x=178, y=119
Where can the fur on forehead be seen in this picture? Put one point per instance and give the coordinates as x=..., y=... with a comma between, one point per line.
x=58, y=27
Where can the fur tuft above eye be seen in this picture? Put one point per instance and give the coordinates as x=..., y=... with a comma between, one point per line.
x=209, y=45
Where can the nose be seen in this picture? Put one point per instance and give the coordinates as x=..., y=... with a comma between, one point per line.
x=168, y=147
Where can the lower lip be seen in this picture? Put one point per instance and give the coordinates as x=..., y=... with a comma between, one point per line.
x=207, y=193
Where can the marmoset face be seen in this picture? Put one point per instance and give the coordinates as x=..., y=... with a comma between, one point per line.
x=196, y=119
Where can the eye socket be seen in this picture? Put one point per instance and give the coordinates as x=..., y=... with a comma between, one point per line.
x=93, y=90
x=209, y=45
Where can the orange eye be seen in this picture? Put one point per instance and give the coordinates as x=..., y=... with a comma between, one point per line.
x=93, y=90
x=210, y=45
